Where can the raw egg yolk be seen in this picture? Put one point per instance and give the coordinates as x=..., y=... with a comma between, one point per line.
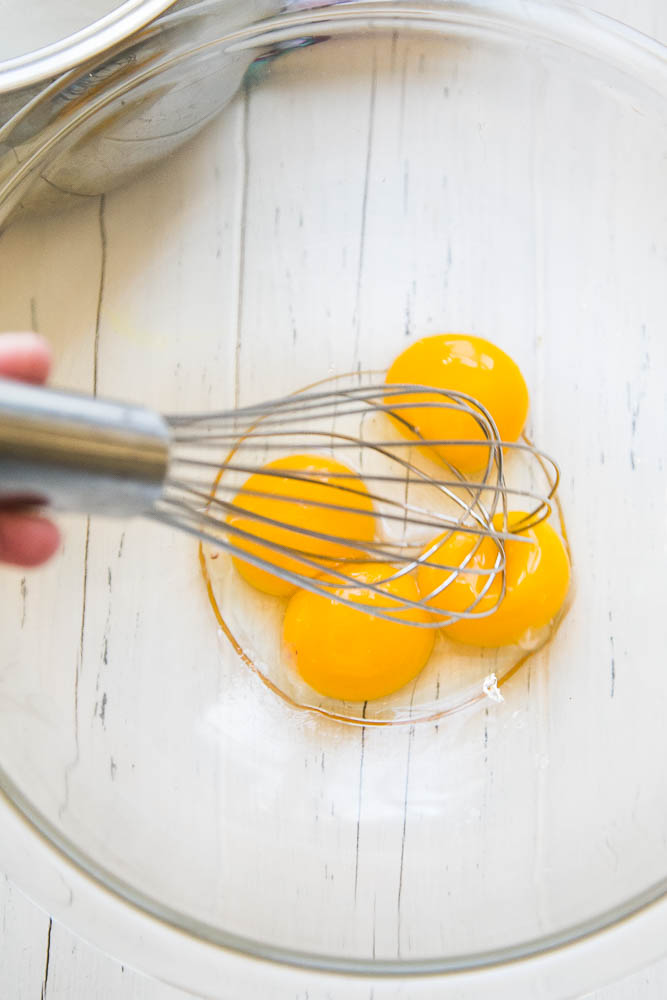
x=461, y=363
x=292, y=499
x=352, y=655
x=537, y=578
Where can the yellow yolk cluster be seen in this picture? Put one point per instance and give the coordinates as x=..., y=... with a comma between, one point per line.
x=344, y=652
x=464, y=364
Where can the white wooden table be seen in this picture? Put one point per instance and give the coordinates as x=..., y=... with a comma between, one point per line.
x=39, y=958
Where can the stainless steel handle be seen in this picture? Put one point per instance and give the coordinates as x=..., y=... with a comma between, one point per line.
x=77, y=453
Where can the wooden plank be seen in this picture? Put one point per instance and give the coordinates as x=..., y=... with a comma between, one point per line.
x=24, y=939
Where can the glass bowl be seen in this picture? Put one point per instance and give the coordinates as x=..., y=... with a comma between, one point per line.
x=456, y=675
x=39, y=44
x=385, y=170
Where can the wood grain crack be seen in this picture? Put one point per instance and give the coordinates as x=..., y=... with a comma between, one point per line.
x=79, y=664
x=245, y=159
x=100, y=292
x=33, y=314
x=45, y=978
x=613, y=658
x=411, y=735
x=96, y=350
x=361, y=781
x=364, y=207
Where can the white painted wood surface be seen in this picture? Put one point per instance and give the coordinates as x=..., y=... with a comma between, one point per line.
x=41, y=959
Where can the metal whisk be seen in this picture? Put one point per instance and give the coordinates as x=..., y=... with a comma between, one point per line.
x=78, y=453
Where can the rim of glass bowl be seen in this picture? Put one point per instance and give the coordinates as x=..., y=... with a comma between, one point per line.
x=30, y=68
x=557, y=21
x=592, y=34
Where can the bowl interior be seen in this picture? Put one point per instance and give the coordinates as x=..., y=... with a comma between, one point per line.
x=416, y=176
x=456, y=676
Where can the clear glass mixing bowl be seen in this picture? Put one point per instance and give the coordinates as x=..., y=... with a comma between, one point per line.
x=383, y=171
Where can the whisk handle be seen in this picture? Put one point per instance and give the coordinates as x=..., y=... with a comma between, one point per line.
x=78, y=453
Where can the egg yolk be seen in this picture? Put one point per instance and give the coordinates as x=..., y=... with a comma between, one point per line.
x=461, y=363
x=537, y=578
x=293, y=501
x=346, y=653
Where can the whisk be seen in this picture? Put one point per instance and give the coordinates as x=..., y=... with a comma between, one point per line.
x=78, y=453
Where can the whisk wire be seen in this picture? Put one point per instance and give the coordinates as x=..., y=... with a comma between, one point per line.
x=206, y=493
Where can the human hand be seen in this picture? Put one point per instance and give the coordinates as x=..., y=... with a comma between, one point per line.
x=25, y=539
